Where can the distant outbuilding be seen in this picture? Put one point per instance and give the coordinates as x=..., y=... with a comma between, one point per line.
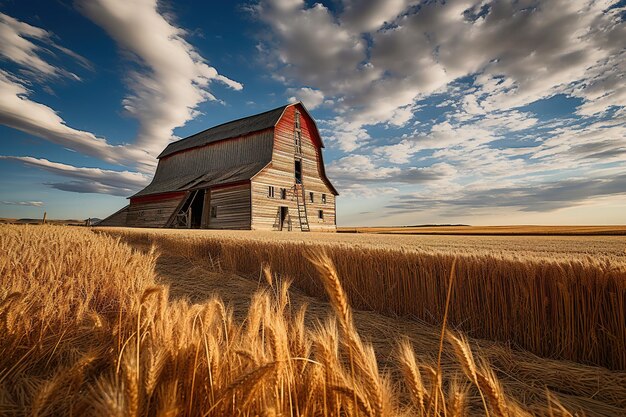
x=262, y=172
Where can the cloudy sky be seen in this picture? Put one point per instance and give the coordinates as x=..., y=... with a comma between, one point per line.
x=479, y=112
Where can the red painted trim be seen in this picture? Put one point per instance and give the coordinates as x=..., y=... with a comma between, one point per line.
x=286, y=121
x=156, y=197
x=218, y=141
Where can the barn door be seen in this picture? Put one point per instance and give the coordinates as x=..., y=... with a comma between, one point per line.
x=285, y=221
x=196, y=210
x=190, y=213
x=206, y=218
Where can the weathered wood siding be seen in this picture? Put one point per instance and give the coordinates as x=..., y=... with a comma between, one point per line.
x=117, y=219
x=281, y=174
x=153, y=211
x=232, y=205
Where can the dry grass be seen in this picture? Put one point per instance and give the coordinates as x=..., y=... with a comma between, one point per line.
x=87, y=330
x=567, y=309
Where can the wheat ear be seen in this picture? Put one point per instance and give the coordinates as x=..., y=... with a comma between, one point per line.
x=412, y=374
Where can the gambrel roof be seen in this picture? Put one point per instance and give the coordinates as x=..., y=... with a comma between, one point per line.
x=233, y=129
x=238, y=151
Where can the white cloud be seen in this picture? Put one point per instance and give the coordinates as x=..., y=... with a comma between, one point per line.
x=312, y=46
x=174, y=77
x=358, y=166
x=603, y=141
x=486, y=59
x=19, y=112
x=604, y=86
x=311, y=98
x=23, y=203
x=361, y=191
x=84, y=179
x=521, y=54
x=448, y=135
x=509, y=121
x=16, y=44
x=400, y=153
x=528, y=196
x=354, y=169
x=348, y=136
x=170, y=81
x=369, y=15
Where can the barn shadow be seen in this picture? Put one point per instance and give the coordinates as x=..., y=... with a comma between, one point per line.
x=197, y=281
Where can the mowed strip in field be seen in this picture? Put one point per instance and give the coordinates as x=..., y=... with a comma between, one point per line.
x=558, y=297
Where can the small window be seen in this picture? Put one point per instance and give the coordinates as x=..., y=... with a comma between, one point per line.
x=324, y=198
x=270, y=191
x=283, y=193
x=297, y=119
x=311, y=199
x=320, y=214
x=214, y=212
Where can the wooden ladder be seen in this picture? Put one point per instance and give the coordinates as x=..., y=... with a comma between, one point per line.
x=301, y=201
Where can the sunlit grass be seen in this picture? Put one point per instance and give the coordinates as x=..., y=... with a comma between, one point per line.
x=88, y=330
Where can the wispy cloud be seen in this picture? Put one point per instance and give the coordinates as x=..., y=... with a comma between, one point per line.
x=87, y=180
x=23, y=203
x=19, y=112
x=171, y=79
x=17, y=44
x=167, y=78
x=361, y=169
x=531, y=197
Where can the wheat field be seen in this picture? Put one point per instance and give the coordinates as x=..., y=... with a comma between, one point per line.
x=559, y=298
x=136, y=325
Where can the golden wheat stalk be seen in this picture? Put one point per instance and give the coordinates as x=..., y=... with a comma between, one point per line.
x=412, y=375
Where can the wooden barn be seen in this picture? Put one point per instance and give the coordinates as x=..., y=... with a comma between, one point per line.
x=262, y=172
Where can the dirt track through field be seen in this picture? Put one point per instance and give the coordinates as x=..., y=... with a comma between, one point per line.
x=595, y=391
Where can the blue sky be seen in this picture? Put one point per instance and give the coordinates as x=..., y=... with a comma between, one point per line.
x=478, y=112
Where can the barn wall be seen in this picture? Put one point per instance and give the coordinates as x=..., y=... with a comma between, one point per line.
x=233, y=207
x=152, y=211
x=117, y=219
x=281, y=174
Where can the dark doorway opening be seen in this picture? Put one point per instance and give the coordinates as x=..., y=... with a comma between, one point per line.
x=190, y=213
x=284, y=218
x=298, y=170
x=196, y=209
